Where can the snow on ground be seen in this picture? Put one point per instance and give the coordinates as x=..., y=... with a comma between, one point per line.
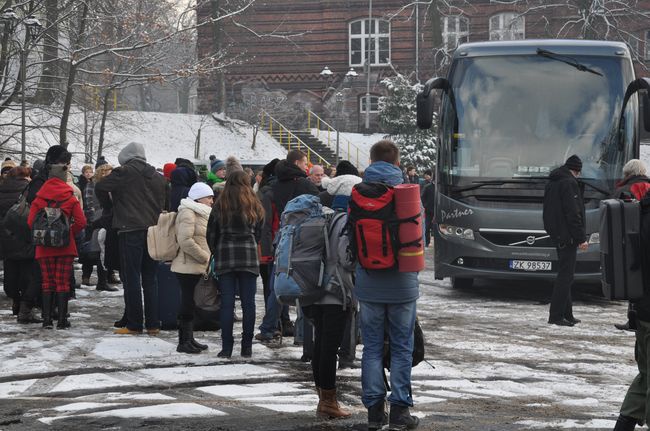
x=165, y=136
x=354, y=147
x=496, y=362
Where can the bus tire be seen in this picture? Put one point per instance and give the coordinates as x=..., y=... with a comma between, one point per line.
x=461, y=282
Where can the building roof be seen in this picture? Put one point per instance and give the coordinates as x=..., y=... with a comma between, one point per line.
x=530, y=46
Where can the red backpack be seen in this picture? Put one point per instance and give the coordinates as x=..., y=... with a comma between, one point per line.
x=373, y=220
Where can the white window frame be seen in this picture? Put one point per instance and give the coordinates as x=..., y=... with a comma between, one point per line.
x=362, y=99
x=506, y=30
x=461, y=36
x=363, y=37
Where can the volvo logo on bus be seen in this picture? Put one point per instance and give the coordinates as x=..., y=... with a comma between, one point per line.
x=530, y=240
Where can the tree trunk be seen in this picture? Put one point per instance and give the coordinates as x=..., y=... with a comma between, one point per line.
x=72, y=74
x=219, y=81
x=184, y=96
x=102, y=127
x=255, y=130
x=47, y=85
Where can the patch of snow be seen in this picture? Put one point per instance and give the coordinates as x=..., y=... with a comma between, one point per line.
x=286, y=408
x=215, y=372
x=159, y=411
x=75, y=407
x=88, y=381
x=13, y=389
x=569, y=424
x=252, y=390
x=114, y=396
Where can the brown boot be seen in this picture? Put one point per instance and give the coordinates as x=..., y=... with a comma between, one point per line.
x=328, y=406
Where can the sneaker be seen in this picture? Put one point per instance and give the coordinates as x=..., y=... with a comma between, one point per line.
x=127, y=331
x=153, y=331
x=401, y=419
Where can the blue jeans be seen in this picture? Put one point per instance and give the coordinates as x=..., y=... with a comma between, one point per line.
x=138, y=274
x=246, y=284
x=273, y=309
x=400, y=320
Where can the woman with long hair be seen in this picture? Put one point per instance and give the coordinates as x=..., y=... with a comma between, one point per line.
x=234, y=230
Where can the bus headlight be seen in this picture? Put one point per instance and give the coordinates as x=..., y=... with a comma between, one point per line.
x=456, y=231
x=594, y=238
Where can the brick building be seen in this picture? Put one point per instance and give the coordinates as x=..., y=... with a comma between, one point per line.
x=282, y=47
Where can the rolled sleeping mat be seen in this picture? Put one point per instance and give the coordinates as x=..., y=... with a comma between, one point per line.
x=410, y=257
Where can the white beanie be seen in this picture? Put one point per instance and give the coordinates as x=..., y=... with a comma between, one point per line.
x=200, y=190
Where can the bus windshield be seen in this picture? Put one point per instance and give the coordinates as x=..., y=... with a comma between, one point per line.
x=517, y=117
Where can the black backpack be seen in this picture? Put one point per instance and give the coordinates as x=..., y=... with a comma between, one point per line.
x=51, y=227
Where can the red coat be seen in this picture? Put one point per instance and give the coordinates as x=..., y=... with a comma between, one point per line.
x=56, y=189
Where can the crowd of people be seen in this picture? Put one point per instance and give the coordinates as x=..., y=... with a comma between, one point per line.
x=226, y=228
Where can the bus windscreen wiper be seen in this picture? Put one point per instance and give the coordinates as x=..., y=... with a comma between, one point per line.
x=598, y=189
x=568, y=60
x=483, y=183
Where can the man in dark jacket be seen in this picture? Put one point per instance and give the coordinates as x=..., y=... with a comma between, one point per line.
x=564, y=221
x=138, y=194
x=291, y=181
x=428, y=202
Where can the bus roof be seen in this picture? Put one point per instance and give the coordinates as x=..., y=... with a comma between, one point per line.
x=530, y=46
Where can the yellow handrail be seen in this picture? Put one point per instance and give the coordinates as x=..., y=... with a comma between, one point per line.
x=289, y=136
x=330, y=129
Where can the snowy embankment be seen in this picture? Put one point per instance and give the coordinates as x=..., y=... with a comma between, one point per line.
x=165, y=136
x=645, y=154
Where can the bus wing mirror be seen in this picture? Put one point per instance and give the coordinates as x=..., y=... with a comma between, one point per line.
x=424, y=101
x=635, y=86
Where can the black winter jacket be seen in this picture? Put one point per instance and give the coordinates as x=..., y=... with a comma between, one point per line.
x=138, y=195
x=429, y=197
x=12, y=244
x=292, y=182
x=564, y=208
x=182, y=179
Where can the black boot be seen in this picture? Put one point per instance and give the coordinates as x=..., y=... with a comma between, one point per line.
x=25, y=315
x=195, y=343
x=401, y=419
x=111, y=278
x=48, y=305
x=62, y=303
x=377, y=416
x=625, y=423
x=184, y=340
x=103, y=285
x=15, y=307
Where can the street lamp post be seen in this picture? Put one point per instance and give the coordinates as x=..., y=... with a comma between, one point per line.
x=339, y=106
x=32, y=29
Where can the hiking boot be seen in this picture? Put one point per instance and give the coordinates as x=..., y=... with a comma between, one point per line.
x=265, y=338
x=62, y=303
x=153, y=331
x=48, y=300
x=401, y=419
x=627, y=326
x=111, y=278
x=328, y=406
x=625, y=423
x=377, y=416
x=26, y=314
x=127, y=331
x=184, y=338
x=246, y=351
x=102, y=285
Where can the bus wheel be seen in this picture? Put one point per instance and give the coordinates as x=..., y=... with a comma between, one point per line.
x=461, y=283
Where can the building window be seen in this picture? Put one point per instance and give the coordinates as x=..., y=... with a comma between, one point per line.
x=647, y=45
x=507, y=26
x=379, y=51
x=374, y=104
x=455, y=30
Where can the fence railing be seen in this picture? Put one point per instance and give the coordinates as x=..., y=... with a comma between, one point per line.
x=347, y=150
x=287, y=139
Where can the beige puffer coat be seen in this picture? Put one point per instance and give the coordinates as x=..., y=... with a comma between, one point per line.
x=191, y=225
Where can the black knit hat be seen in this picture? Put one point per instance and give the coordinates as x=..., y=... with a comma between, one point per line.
x=56, y=154
x=100, y=161
x=346, y=168
x=574, y=163
x=269, y=168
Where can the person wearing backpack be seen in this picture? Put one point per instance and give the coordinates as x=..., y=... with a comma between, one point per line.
x=17, y=250
x=337, y=196
x=182, y=178
x=387, y=297
x=138, y=197
x=292, y=181
x=56, y=258
x=234, y=230
x=193, y=258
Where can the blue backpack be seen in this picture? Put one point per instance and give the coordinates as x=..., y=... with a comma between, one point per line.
x=301, y=251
